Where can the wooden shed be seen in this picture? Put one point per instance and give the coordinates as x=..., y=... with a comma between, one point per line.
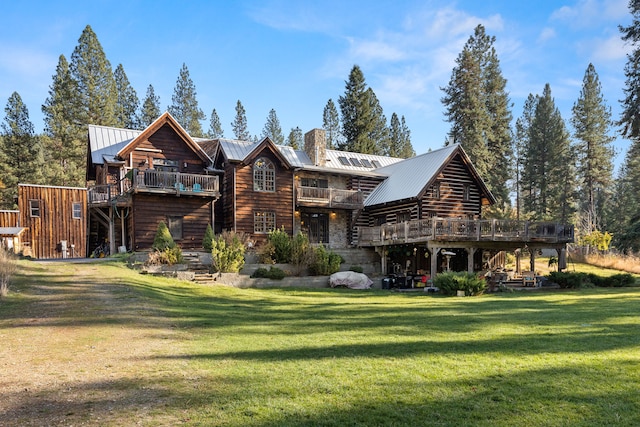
x=55, y=219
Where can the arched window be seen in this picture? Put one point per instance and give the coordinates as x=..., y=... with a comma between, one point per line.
x=264, y=175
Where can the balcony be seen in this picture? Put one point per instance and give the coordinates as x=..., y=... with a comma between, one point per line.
x=329, y=198
x=461, y=230
x=157, y=182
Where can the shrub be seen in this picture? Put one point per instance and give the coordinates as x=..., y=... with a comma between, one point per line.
x=301, y=252
x=163, y=239
x=7, y=269
x=168, y=256
x=281, y=242
x=274, y=273
x=620, y=280
x=324, y=262
x=568, y=280
x=356, y=268
x=266, y=253
x=451, y=282
x=228, y=252
x=207, y=240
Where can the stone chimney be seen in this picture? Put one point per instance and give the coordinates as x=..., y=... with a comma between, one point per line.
x=315, y=145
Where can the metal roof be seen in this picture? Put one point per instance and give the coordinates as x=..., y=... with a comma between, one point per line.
x=105, y=142
x=11, y=231
x=334, y=162
x=408, y=177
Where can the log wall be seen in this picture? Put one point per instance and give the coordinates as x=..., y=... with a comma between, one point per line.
x=56, y=223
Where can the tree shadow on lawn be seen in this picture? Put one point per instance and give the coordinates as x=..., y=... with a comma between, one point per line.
x=549, y=396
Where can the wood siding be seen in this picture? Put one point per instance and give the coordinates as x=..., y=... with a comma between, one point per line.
x=239, y=183
x=55, y=222
x=149, y=210
x=9, y=218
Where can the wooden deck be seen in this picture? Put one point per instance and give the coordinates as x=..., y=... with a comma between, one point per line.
x=153, y=182
x=460, y=230
x=329, y=198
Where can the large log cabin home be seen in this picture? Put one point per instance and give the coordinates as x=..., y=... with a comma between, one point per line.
x=421, y=215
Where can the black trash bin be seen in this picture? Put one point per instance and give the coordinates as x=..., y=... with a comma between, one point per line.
x=387, y=282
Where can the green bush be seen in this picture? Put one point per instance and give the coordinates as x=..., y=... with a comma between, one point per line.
x=163, y=239
x=168, y=256
x=228, y=252
x=324, y=262
x=266, y=253
x=207, y=240
x=567, y=280
x=301, y=252
x=281, y=242
x=274, y=273
x=451, y=282
x=356, y=268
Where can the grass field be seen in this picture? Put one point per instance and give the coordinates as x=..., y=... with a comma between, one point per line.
x=98, y=344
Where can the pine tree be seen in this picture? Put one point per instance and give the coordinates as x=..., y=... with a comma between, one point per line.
x=549, y=192
x=64, y=138
x=215, y=127
x=477, y=106
x=184, y=105
x=592, y=120
x=239, y=124
x=379, y=134
x=361, y=116
x=92, y=71
x=127, y=101
x=150, y=110
x=522, y=142
x=331, y=125
x=627, y=195
x=399, y=139
x=295, y=138
x=22, y=159
x=272, y=128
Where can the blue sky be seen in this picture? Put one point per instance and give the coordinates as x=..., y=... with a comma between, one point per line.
x=293, y=56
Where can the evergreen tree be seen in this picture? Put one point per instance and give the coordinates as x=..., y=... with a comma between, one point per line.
x=627, y=195
x=361, y=116
x=239, y=124
x=379, y=134
x=295, y=138
x=272, y=128
x=399, y=139
x=184, y=105
x=549, y=190
x=477, y=106
x=97, y=92
x=522, y=141
x=22, y=159
x=331, y=125
x=64, y=137
x=127, y=101
x=215, y=127
x=592, y=120
x=150, y=110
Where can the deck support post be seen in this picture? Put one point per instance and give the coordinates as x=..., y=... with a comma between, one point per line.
x=532, y=259
x=470, y=255
x=434, y=261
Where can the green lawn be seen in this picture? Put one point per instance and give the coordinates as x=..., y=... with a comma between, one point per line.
x=120, y=348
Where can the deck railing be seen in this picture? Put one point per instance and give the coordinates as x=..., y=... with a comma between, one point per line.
x=329, y=197
x=156, y=182
x=465, y=230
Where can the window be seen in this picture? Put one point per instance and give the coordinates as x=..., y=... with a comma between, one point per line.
x=355, y=162
x=466, y=193
x=403, y=216
x=77, y=211
x=264, y=176
x=366, y=163
x=34, y=208
x=264, y=222
x=344, y=161
x=436, y=190
x=376, y=163
x=175, y=227
x=314, y=182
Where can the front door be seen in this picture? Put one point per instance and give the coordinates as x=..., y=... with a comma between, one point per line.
x=316, y=225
